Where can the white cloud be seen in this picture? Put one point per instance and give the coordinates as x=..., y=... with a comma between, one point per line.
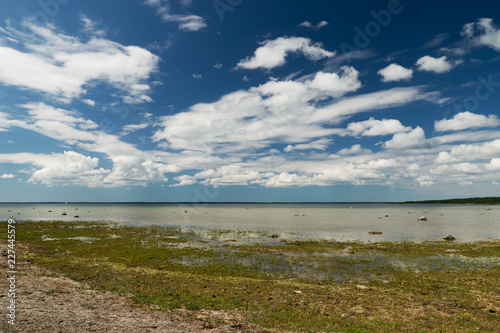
x=288, y=112
x=62, y=65
x=186, y=22
x=89, y=102
x=425, y=180
x=317, y=26
x=470, y=152
x=90, y=27
x=127, y=129
x=494, y=164
x=321, y=144
x=218, y=66
x=131, y=166
x=460, y=168
x=436, y=65
x=277, y=111
x=8, y=176
x=411, y=140
x=395, y=72
x=69, y=168
x=198, y=76
x=373, y=127
x=272, y=53
x=465, y=120
x=355, y=150
x=483, y=32
x=379, y=164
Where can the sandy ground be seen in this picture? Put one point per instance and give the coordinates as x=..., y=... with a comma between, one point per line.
x=46, y=302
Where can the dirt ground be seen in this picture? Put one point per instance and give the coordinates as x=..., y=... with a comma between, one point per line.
x=46, y=302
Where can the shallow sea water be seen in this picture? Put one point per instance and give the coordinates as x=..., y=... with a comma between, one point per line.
x=339, y=222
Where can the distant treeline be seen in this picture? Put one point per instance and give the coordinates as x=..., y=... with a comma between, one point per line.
x=463, y=201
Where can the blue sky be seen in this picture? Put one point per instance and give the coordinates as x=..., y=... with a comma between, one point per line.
x=238, y=100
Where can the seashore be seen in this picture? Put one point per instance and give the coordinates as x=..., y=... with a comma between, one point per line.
x=252, y=281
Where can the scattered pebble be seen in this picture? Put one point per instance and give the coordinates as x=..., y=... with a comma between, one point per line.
x=361, y=286
x=449, y=238
x=422, y=218
x=375, y=232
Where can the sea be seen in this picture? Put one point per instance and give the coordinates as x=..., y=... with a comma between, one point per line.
x=305, y=221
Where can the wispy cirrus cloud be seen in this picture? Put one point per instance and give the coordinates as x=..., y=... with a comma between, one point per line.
x=317, y=26
x=186, y=22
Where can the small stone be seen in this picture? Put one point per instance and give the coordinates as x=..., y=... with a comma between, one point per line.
x=274, y=236
x=298, y=291
x=375, y=232
x=422, y=218
x=449, y=238
x=361, y=286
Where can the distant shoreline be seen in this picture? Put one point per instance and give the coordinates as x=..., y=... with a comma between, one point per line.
x=458, y=201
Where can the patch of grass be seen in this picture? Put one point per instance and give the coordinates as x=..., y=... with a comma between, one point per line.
x=306, y=286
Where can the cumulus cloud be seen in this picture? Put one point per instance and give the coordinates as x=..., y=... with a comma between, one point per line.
x=466, y=120
x=494, y=164
x=373, y=127
x=435, y=65
x=290, y=112
x=69, y=168
x=8, y=176
x=470, y=152
x=483, y=33
x=186, y=22
x=411, y=140
x=395, y=72
x=273, y=53
x=460, y=168
x=89, y=102
x=62, y=65
x=130, y=166
x=355, y=150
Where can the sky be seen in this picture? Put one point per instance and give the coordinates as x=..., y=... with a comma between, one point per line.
x=243, y=101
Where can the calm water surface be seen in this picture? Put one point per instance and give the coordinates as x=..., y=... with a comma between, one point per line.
x=342, y=222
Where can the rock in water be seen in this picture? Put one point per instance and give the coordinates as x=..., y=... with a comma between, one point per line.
x=422, y=218
x=449, y=238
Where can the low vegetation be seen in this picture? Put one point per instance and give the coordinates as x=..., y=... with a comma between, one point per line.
x=303, y=286
x=463, y=201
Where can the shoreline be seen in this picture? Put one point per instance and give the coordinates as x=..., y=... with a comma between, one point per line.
x=318, y=286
